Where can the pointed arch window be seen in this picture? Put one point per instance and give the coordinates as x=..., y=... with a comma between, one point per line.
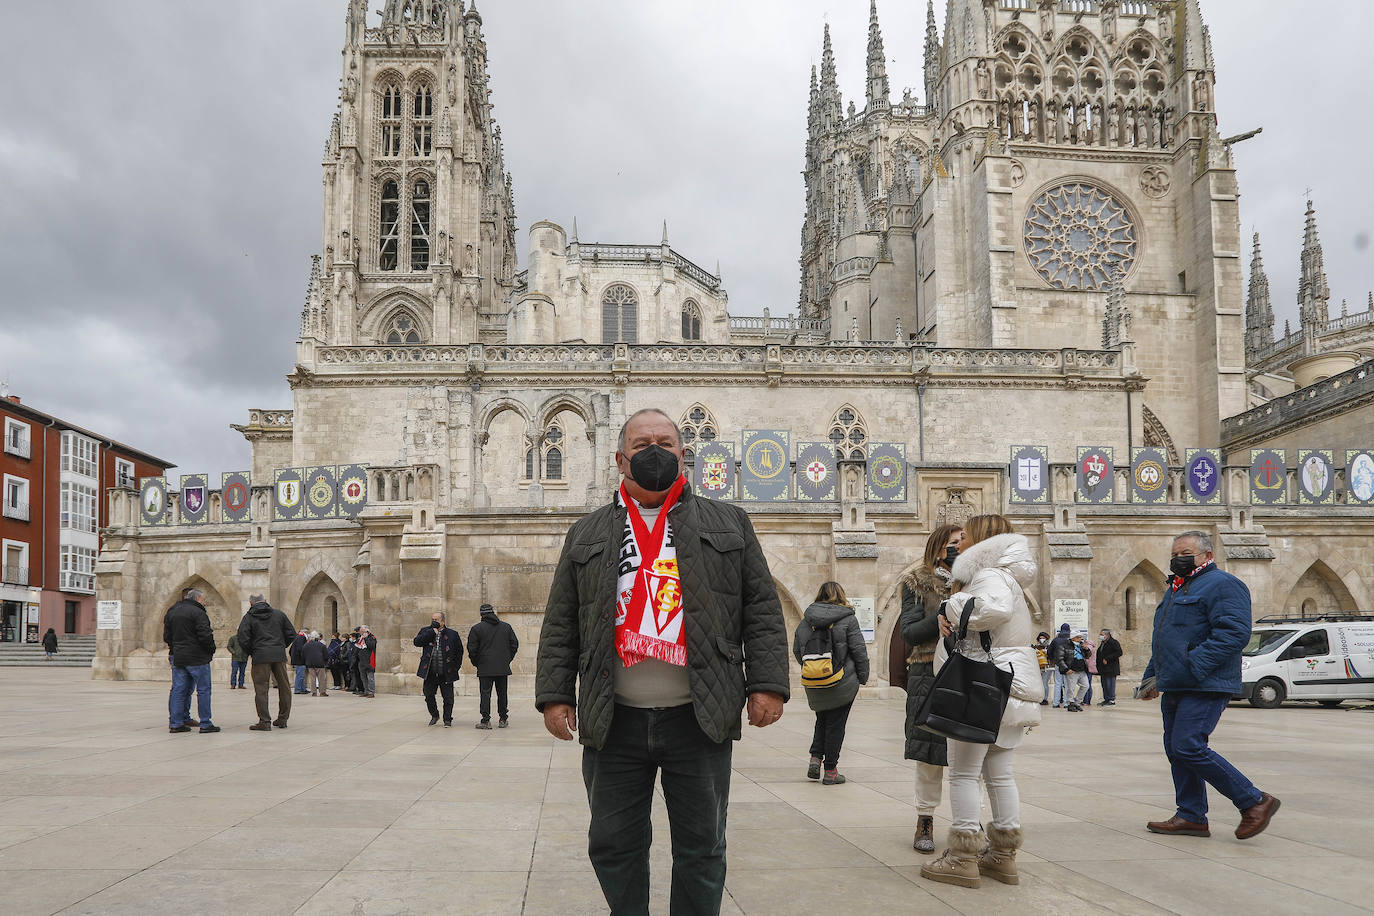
x=698, y=425
x=402, y=329
x=419, y=226
x=391, y=121
x=848, y=434
x=388, y=245
x=422, y=123
x=619, y=315
x=691, y=320
x=553, y=452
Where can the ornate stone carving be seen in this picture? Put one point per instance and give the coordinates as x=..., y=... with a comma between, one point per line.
x=1017, y=171
x=959, y=505
x=1076, y=234
x=1154, y=181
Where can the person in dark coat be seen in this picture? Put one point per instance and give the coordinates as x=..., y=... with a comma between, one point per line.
x=831, y=704
x=491, y=646
x=367, y=662
x=190, y=646
x=922, y=595
x=316, y=655
x=1061, y=651
x=441, y=656
x=336, y=660
x=1108, y=665
x=264, y=633
x=238, y=663
x=50, y=642
x=297, y=658
x=349, y=653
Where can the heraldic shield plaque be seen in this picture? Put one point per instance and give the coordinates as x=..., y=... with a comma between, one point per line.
x=1095, y=473
x=816, y=478
x=1029, y=474
x=1316, y=477
x=1359, y=478
x=714, y=475
x=288, y=494
x=887, y=472
x=321, y=492
x=152, y=501
x=195, y=499
x=1149, y=475
x=765, y=470
x=1268, y=477
x=235, y=491
x=1202, y=477
x=352, y=480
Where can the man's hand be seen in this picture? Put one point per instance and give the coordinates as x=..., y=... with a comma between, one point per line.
x=946, y=628
x=764, y=708
x=1148, y=694
x=561, y=720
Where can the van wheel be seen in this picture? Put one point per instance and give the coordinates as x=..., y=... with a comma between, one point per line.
x=1269, y=693
x=1329, y=704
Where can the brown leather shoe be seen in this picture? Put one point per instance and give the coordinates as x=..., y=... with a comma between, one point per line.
x=1255, y=818
x=1177, y=826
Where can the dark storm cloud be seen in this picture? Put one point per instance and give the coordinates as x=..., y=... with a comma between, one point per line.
x=160, y=165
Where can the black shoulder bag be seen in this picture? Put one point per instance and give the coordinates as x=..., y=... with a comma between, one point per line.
x=968, y=697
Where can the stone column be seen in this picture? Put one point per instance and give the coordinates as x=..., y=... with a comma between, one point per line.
x=421, y=593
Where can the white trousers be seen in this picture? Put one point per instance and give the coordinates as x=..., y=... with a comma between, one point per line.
x=966, y=763
x=1075, y=686
x=929, y=782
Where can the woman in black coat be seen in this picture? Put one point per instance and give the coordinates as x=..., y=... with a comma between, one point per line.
x=1109, y=654
x=922, y=595
x=50, y=642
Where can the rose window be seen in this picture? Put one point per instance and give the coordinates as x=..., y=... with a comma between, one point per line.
x=1078, y=235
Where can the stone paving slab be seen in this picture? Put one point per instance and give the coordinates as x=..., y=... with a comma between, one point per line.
x=360, y=807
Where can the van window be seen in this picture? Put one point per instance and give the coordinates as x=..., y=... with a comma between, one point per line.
x=1262, y=642
x=1308, y=645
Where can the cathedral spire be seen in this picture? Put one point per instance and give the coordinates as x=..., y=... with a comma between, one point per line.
x=1313, y=293
x=831, y=108
x=878, y=94
x=1259, y=315
x=932, y=55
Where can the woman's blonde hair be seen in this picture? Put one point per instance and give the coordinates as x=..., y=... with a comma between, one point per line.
x=980, y=528
x=832, y=593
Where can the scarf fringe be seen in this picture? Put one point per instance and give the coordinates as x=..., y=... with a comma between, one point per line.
x=635, y=647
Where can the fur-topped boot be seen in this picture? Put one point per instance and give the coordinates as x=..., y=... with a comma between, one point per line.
x=958, y=864
x=998, y=861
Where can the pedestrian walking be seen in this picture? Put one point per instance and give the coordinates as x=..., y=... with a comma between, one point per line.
x=336, y=660
x=1074, y=665
x=1042, y=658
x=1108, y=666
x=661, y=620
x=992, y=572
x=1061, y=644
x=238, y=663
x=50, y=643
x=190, y=646
x=367, y=662
x=491, y=646
x=316, y=655
x=441, y=657
x=830, y=640
x=297, y=657
x=922, y=596
x=265, y=633
x=1201, y=627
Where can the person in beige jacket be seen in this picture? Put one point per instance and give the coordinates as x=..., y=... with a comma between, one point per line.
x=993, y=571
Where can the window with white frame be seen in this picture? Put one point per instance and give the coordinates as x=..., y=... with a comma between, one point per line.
x=77, y=569
x=124, y=474
x=17, y=441
x=15, y=555
x=78, y=454
x=78, y=507
x=16, y=498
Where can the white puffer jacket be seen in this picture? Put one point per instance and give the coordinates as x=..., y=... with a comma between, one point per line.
x=995, y=572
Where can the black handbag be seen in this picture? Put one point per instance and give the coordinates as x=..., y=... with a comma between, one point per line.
x=968, y=697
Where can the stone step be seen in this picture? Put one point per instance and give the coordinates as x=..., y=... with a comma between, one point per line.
x=40, y=662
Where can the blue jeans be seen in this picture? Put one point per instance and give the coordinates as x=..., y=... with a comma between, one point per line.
x=620, y=790
x=179, y=703
x=236, y=672
x=1108, y=687
x=1088, y=697
x=1189, y=719
x=1059, y=689
x=300, y=680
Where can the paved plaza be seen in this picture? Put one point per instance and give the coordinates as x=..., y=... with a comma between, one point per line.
x=359, y=807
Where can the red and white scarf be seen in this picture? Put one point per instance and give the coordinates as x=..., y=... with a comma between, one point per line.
x=648, y=606
x=1177, y=581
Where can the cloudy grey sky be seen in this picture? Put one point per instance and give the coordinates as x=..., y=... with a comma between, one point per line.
x=160, y=169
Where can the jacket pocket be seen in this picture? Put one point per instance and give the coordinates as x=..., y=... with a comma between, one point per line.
x=733, y=652
x=582, y=554
x=724, y=541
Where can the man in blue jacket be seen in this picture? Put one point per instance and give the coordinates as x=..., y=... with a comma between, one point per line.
x=1201, y=625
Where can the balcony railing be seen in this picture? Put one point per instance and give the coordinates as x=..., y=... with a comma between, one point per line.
x=18, y=511
x=77, y=582
x=17, y=446
x=14, y=575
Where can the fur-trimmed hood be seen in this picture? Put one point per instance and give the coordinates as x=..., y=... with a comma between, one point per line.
x=1010, y=552
x=924, y=580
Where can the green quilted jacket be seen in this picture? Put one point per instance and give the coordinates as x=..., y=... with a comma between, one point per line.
x=736, y=637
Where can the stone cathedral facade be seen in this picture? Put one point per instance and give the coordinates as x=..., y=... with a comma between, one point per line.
x=1044, y=249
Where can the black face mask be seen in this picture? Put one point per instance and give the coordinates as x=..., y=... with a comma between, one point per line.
x=951, y=554
x=1182, y=566
x=654, y=468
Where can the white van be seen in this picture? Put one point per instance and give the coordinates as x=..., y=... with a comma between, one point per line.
x=1328, y=659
